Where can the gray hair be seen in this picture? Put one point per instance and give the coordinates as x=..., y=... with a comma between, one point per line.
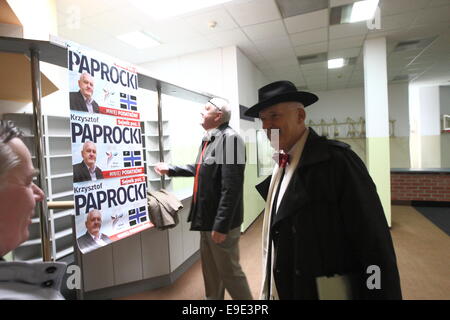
x=223, y=106
x=93, y=211
x=8, y=158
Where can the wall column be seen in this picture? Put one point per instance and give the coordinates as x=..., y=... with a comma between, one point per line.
x=430, y=127
x=377, y=119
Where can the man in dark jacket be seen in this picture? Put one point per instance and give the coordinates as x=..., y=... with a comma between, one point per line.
x=83, y=99
x=325, y=235
x=217, y=207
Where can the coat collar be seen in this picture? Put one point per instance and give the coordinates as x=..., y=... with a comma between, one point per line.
x=316, y=150
x=211, y=134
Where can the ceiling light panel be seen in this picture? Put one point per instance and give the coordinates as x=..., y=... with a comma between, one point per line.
x=336, y=63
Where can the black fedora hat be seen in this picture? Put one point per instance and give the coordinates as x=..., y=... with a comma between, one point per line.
x=279, y=91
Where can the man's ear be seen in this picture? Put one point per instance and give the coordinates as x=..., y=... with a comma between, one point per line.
x=301, y=114
x=219, y=116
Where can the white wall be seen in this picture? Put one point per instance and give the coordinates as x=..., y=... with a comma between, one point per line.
x=429, y=111
x=213, y=72
x=250, y=79
x=344, y=103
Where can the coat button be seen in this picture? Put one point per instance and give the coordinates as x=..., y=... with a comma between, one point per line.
x=294, y=230
x=277, y=270
x=51, y=269
x=297, y=272
x=48, y=283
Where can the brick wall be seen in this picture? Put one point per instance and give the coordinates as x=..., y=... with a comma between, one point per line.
x=420, y=186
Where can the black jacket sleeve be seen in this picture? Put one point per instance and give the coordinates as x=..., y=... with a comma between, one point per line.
x=182, y=171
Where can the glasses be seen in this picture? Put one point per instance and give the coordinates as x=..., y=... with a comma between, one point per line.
x=215, y=105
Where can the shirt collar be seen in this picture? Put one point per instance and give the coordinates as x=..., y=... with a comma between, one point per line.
x=296, y=150
x=89, y=169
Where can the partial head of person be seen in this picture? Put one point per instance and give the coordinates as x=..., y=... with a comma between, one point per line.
x=214, y=113
x=281, y=108
x=94, y=222
x=89, y=154
x=18, y=193
x=86, y=84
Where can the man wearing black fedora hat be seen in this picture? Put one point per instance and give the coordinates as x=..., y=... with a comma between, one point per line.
x=325, y=235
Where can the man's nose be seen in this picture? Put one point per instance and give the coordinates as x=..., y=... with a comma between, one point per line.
x=38, y=193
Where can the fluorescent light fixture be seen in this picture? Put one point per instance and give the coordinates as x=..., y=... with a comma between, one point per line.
x=363, y=10
x=139, y=40
x=162, y=9
x=336, y=63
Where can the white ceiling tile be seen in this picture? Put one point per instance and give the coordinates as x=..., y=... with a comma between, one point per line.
x=322, y=73
x=308, y=21
x=201, y=22
x=292, y=71
x=393, y=7
x=278, y=54
x=227, y=38
x=265, y=30
x=113, y=22
x=314, y=66
x=344, y=53
x=177, y=30
x=344, y=43
x=279, y=43
x=311, y=48
x=287, y=62
x=348, y=30
x=307, y=37
x=433, y=15
x=438, y=3
x=317, y=87
x=398, y=21
x=244, y=12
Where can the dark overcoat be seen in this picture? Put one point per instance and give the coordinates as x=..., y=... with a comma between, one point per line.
x=331, y=222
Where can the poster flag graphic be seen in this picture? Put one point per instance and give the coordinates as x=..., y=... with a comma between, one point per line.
x=109, y=182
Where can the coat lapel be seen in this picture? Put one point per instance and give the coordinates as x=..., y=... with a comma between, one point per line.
x=295, y=197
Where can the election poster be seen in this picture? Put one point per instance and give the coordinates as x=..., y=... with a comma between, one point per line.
x=109, y=182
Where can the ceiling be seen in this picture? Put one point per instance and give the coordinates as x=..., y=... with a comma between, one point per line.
x=272, y=34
